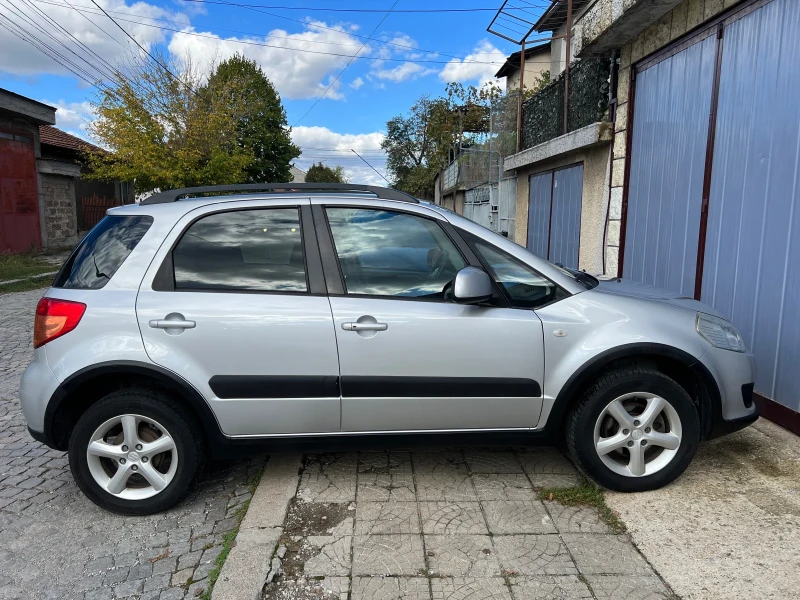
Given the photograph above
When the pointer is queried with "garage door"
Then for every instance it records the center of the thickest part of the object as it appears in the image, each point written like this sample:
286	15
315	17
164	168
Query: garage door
19	203
752	250
672	104
554	215
740	249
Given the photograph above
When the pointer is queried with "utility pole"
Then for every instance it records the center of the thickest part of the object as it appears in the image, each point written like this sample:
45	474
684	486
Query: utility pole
567	53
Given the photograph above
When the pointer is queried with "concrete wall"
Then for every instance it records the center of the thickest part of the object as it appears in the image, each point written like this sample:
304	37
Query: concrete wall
677	22
57	193
594	202
535	65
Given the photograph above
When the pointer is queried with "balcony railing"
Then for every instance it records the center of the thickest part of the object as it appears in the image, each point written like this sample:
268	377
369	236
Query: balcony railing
543	114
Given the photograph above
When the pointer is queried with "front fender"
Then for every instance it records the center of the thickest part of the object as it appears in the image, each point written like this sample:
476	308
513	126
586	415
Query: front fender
585	332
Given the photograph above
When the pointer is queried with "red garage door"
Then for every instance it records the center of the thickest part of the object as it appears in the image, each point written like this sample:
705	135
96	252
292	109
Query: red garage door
19	205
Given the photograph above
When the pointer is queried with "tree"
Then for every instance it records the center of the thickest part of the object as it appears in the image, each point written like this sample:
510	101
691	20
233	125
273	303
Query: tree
319	173
419	144
262	127
164	127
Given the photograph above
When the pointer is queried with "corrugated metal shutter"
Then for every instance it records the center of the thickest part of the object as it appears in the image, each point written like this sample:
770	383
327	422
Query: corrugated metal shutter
19	200
565	220
753	237
507	206
670	134
541	187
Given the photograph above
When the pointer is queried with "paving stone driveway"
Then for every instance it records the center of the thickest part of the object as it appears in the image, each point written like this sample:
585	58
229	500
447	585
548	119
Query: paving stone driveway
54	543
449	524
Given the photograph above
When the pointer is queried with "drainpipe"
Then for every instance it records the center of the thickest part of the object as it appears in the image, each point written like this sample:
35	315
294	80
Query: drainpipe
567	53
612	116
521	94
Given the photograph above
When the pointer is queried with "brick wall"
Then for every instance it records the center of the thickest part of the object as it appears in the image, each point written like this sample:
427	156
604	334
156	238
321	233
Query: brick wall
57	195
679	21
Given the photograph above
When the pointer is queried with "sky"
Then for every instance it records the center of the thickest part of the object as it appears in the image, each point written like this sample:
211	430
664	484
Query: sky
342	69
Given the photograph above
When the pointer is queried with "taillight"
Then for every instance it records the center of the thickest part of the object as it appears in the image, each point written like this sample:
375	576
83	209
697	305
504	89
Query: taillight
54	318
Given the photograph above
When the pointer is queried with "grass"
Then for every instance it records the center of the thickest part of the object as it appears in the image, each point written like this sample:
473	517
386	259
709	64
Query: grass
586	494
27	284
228	541
17	266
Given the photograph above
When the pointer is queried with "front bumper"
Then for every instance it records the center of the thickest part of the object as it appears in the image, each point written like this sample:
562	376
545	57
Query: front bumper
734	373
722	427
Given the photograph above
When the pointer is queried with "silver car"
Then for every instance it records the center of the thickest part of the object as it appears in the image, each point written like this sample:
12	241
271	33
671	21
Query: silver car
207	320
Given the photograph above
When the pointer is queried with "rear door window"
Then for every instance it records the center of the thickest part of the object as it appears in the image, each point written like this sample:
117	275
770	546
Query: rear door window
256	250
102	252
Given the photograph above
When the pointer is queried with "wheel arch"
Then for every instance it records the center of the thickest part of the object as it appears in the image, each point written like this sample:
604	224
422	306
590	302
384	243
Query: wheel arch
691	374
89	385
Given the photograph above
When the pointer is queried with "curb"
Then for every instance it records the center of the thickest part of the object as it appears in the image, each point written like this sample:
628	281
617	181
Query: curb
245	571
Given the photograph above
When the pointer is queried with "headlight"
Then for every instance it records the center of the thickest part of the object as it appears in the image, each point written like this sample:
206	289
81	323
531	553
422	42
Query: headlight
719	332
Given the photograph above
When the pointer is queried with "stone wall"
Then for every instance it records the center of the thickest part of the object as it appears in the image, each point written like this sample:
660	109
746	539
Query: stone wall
57	195
679	21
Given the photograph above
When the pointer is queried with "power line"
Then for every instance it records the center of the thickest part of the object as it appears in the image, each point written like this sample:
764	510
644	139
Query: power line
347	65
49	50
464	60
371	167
163	66
81	8
361	10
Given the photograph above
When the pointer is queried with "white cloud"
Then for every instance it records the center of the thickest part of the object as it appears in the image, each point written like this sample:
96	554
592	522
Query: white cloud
356	83
403	72
72	117
476	66
26	60
320	144
295	74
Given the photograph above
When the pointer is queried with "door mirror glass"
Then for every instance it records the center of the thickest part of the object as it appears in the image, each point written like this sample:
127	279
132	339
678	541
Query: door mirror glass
472	286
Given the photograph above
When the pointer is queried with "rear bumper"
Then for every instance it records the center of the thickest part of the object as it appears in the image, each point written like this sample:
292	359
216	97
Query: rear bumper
40	437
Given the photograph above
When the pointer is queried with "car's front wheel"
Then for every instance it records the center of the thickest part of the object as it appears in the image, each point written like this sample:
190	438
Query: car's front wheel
134	452
635	429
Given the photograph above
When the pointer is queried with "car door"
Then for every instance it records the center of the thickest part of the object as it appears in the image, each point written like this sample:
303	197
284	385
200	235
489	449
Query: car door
235	303
410	358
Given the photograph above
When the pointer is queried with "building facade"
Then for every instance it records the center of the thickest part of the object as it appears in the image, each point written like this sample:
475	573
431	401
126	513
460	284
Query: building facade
46	202
691	180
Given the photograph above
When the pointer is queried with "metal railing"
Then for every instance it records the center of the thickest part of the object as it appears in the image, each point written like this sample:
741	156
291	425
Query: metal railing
543	114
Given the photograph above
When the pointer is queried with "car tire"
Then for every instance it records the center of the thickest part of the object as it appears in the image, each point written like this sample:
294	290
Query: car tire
158	468
635	450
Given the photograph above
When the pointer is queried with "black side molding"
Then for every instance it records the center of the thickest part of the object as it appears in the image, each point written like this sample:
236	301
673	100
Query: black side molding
439	387
274	386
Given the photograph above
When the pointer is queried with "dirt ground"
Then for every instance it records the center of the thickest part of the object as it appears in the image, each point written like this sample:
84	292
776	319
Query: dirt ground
730	526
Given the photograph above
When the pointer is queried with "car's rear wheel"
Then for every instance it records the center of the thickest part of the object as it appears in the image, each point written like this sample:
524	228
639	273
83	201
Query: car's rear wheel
634	429
135	452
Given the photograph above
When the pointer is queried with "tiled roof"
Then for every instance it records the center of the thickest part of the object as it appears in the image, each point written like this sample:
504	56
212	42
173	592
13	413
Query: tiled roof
53	136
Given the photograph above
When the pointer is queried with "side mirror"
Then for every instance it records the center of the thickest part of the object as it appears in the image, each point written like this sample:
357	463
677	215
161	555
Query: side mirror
472	286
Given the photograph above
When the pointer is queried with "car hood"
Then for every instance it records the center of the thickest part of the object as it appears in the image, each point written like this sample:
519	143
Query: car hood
634	289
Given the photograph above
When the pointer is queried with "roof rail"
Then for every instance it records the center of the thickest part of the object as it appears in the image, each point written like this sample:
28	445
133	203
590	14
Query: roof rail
381	192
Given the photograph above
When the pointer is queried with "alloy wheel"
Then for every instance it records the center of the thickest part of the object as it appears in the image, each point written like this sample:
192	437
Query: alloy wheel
637	434
132	457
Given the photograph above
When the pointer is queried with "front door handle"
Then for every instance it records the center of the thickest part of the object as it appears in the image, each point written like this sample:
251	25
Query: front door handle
365	326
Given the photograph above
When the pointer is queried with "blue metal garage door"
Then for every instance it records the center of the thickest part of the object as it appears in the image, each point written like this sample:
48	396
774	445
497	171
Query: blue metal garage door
540	190
752	251
554	215
671	108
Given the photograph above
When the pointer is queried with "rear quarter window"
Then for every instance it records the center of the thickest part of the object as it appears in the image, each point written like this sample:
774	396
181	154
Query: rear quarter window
102	252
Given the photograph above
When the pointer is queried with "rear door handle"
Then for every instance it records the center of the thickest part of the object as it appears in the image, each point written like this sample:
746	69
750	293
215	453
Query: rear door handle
170	324
365	326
